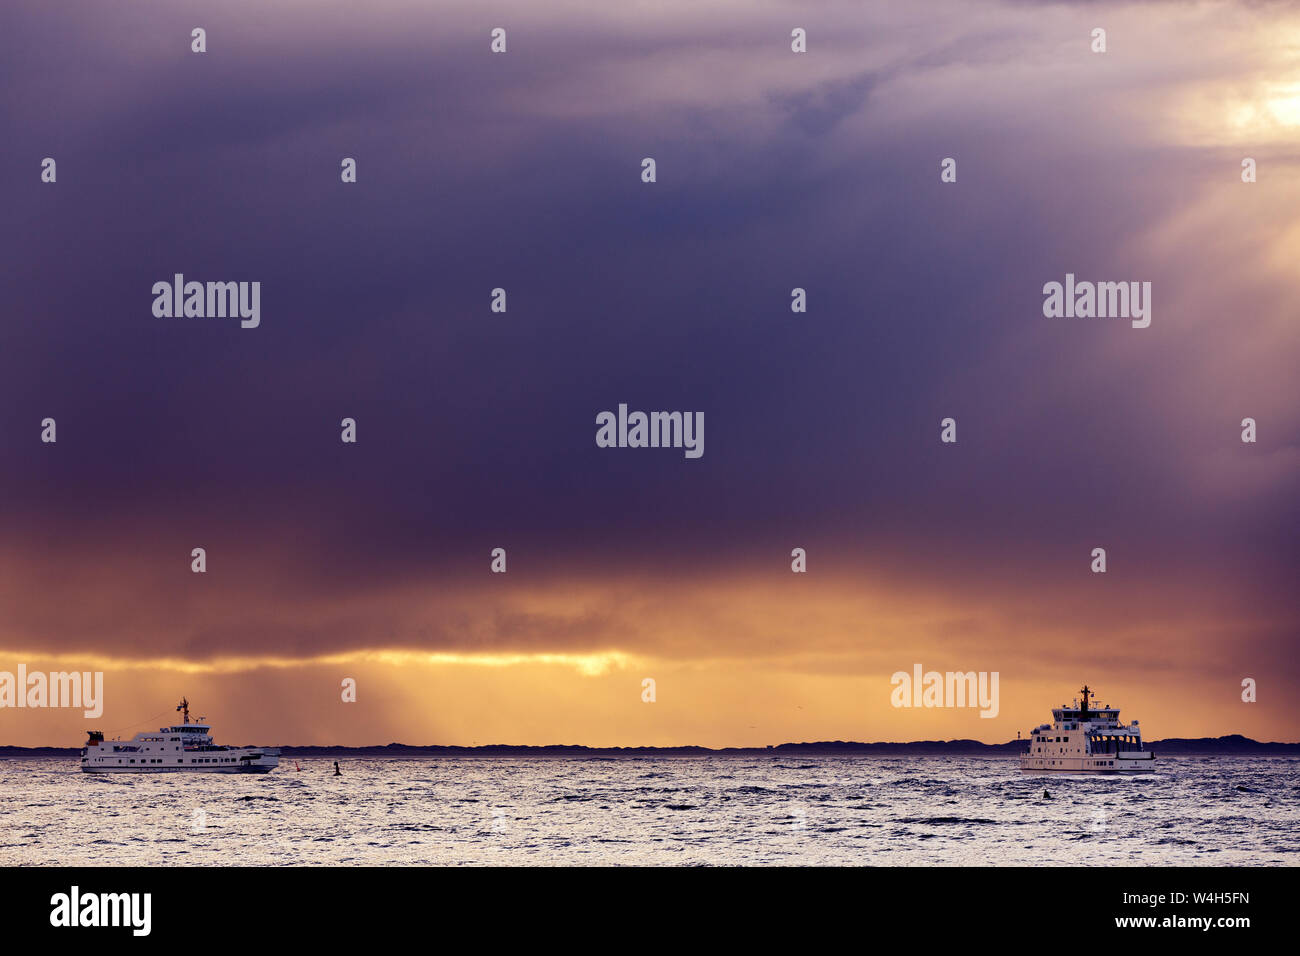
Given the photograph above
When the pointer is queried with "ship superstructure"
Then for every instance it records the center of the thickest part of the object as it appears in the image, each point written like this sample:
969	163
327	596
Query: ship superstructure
1084	739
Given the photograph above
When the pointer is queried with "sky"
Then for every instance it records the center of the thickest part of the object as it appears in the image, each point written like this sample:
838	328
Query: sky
476	430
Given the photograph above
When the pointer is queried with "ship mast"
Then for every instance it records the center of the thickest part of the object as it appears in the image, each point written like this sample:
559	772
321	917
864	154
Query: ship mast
184	707
1083	714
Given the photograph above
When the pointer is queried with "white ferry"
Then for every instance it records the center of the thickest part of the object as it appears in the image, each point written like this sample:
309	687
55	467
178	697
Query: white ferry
1084	740
186	747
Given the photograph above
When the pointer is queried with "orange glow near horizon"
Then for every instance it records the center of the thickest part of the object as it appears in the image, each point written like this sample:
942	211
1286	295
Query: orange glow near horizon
735	664
535	703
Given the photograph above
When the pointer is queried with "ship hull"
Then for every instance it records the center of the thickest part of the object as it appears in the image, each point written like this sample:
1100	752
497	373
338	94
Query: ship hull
1142	761
260	761
266	769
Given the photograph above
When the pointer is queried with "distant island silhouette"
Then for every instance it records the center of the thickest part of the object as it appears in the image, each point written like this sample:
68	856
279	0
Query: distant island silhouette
1230	744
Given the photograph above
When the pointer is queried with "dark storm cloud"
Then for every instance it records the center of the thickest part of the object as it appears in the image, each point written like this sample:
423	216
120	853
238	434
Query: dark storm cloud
477	430
820	110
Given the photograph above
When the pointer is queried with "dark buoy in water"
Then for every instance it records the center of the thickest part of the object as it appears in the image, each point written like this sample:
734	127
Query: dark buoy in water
337	772
1046	795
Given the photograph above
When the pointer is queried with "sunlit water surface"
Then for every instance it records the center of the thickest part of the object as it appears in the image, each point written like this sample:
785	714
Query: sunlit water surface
913	811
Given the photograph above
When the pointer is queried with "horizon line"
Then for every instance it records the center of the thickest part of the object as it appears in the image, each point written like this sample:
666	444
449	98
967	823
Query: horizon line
761	748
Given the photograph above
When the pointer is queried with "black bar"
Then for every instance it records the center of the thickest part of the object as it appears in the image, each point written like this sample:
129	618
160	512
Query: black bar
387	905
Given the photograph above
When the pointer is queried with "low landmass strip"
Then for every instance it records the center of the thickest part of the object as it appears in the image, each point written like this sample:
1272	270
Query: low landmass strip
1231	744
